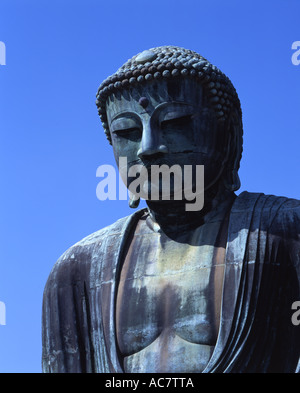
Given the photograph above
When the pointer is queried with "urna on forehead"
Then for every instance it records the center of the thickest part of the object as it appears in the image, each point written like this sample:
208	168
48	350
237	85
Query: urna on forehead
167	63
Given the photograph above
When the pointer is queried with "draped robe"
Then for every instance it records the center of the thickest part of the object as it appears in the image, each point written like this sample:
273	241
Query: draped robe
261	282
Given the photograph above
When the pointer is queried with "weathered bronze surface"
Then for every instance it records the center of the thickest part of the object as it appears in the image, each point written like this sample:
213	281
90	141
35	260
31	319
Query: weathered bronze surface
170	290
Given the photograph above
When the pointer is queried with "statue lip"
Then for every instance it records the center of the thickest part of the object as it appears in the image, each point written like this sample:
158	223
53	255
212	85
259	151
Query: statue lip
157	161
166	159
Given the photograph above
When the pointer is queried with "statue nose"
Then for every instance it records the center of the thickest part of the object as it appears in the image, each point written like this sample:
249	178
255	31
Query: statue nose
150	144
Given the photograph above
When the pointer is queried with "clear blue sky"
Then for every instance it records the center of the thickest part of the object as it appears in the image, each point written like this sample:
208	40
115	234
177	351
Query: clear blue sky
51	140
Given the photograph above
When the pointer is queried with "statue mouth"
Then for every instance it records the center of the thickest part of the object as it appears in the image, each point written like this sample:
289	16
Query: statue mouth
158	161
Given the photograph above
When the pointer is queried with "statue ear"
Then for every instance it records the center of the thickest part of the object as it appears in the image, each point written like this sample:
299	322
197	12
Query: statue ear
231	180
235	130
134	201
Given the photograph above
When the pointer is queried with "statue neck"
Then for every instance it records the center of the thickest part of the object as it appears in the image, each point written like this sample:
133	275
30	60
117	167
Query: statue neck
171	216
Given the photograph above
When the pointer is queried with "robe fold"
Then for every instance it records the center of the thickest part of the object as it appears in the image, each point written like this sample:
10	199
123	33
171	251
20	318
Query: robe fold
261	282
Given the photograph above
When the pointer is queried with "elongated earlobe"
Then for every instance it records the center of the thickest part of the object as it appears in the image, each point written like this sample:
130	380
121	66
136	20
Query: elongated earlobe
134	201
231	180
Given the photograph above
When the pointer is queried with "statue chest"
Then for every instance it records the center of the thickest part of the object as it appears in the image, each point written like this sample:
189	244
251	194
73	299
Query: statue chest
168	302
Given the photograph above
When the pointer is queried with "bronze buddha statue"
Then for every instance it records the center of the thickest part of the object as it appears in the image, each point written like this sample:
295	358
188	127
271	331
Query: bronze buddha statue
167	289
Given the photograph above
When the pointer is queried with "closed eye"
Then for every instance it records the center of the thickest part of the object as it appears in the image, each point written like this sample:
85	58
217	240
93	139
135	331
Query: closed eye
125	125
120	131
127	132
177	122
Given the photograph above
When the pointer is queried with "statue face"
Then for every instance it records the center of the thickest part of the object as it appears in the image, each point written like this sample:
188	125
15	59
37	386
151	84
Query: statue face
167	122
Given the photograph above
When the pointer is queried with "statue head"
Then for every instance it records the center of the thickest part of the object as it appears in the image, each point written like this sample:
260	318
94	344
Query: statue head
170	105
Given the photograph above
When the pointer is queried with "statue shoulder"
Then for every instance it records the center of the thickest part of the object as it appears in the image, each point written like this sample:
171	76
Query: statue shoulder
290	206
277	207
277	215
287	218
75	263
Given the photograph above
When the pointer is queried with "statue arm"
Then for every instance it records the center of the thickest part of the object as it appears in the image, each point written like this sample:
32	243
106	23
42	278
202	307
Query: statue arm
292	238
65	325
72	323
288	224
289	217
